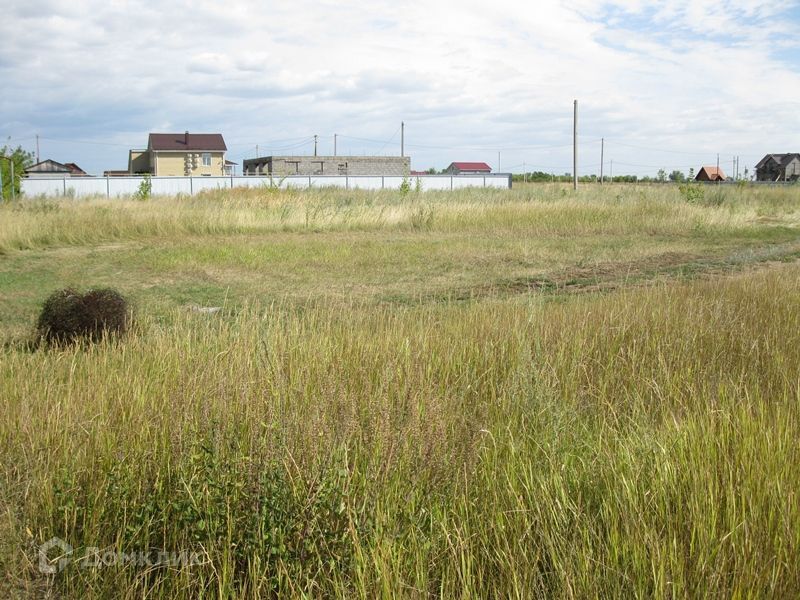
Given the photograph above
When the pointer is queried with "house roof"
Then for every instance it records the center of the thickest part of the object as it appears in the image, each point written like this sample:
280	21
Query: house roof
75	169
195	142
781	159
713	172
48	166
471	166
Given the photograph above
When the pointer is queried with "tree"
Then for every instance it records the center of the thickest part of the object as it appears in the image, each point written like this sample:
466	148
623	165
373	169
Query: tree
677	176
662	175
22	159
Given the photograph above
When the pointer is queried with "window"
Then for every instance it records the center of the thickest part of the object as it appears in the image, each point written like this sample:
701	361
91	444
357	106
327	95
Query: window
206	159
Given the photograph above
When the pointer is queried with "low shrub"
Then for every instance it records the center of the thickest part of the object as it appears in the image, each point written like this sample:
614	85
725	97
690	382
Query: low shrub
692	193
69	316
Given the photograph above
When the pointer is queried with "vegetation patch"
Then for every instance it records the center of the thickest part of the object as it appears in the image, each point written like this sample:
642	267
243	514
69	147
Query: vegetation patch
70	316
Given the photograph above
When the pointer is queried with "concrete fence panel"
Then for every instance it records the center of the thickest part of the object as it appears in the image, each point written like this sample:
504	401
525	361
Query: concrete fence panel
365	183
332	181
115	187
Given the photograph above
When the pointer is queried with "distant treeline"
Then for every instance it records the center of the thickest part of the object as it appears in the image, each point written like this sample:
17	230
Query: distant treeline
541	177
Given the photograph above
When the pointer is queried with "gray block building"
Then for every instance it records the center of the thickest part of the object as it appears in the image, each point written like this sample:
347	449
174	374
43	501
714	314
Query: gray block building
282	166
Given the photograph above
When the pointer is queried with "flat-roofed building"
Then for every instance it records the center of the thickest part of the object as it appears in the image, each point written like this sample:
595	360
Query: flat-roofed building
283	166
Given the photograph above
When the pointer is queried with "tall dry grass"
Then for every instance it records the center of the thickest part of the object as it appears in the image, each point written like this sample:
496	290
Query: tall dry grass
637	444
530	210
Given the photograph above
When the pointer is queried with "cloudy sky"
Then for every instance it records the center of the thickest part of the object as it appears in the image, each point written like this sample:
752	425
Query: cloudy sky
667	84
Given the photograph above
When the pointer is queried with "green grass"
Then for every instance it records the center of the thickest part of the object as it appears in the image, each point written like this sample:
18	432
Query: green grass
532	394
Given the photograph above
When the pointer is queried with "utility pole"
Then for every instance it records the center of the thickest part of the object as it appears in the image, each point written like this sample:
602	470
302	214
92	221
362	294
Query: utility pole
575	147
334	144
256	150
524	173
717	168
498	161
402	138
612	171
37	148
602	153
315	144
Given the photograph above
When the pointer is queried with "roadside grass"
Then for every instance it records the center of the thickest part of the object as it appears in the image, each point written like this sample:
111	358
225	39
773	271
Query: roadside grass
398	405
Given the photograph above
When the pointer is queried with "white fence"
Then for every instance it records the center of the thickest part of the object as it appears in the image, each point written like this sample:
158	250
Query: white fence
113	187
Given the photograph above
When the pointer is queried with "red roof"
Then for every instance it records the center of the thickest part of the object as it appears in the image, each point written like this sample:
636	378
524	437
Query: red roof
471	166
713	173
75	169
194	142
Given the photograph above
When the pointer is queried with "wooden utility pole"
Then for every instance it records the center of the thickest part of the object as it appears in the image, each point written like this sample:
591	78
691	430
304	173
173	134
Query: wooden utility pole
37	148
334	143
315	144
612	171
575	147
402	138
498	161
602	159
718	168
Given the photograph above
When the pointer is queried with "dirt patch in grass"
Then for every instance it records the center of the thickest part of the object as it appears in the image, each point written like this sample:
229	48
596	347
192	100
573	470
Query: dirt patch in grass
607	276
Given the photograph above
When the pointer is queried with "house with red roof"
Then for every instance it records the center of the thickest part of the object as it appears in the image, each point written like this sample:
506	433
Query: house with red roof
180	154
468	168
710	174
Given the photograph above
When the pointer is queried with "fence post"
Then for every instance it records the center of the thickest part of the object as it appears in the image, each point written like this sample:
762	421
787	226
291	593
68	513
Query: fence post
108	188
383	182
191	186
64	181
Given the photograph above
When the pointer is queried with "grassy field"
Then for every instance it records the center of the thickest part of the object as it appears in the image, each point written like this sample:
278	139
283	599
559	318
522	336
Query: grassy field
526	393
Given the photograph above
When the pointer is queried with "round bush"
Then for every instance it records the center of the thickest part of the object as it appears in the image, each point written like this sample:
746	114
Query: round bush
69	316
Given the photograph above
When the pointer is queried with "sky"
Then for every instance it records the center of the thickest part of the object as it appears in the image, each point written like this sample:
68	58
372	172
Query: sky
666	84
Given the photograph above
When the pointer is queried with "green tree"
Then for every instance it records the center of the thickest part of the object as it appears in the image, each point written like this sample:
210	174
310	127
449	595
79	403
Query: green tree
677	176
662	175
22	159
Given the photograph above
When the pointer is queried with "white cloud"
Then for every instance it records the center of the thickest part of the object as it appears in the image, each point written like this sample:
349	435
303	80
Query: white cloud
692	76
